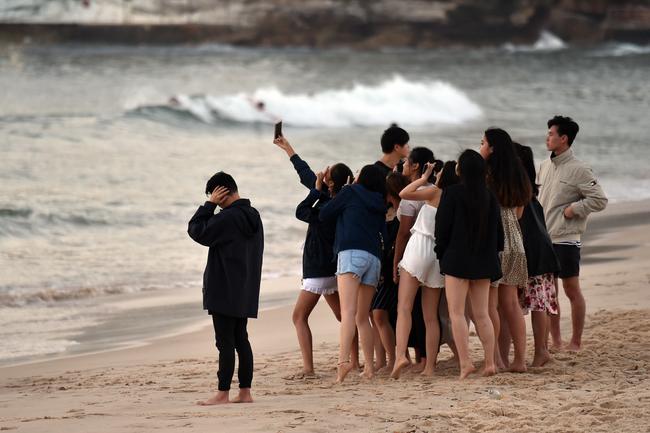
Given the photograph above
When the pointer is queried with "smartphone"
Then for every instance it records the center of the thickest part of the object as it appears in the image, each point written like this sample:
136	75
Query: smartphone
278	130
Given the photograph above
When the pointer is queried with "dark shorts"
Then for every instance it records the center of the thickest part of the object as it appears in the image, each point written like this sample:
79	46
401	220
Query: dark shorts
569	257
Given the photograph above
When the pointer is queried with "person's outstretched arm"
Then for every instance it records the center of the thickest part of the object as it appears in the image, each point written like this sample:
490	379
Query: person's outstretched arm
305	173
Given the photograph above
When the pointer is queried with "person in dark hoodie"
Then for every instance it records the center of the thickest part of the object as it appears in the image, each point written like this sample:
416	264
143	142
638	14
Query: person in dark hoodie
360	214
231	281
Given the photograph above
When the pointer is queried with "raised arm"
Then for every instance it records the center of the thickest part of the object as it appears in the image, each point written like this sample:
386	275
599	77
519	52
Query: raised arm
305	211
305	173
209	229
410	192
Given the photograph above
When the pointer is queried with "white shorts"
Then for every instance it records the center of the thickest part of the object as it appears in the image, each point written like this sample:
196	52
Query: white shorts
421	262
320	286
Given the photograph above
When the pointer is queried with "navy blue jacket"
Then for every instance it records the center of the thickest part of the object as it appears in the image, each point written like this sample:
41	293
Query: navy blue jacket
231	281
360	217
318	253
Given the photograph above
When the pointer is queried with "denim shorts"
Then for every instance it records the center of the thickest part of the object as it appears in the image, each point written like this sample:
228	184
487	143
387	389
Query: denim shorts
365	266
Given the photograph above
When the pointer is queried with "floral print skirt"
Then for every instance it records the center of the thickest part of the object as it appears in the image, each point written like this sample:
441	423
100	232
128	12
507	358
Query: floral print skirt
539	294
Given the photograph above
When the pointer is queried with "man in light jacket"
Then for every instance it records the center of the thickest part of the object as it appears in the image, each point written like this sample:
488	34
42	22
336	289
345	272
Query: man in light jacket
569	192
231	281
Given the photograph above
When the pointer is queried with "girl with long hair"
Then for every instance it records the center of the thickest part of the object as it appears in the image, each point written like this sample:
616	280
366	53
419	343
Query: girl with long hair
509	182
468	237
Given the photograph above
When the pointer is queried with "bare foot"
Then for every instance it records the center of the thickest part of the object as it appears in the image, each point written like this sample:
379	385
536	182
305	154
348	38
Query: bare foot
356	366
489	371
400	364
466	371
572	347
419	367
557	346
380	365
541	359
221	397
244	396
367	374
300	375
519	367
428	372
342	370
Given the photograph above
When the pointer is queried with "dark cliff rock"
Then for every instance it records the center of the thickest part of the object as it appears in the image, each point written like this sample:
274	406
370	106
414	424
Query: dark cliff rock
367	24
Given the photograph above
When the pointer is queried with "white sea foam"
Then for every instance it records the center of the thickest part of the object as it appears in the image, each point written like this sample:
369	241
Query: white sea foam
621	50
395	100
547	42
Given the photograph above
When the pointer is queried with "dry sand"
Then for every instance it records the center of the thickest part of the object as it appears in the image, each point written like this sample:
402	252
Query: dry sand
603	388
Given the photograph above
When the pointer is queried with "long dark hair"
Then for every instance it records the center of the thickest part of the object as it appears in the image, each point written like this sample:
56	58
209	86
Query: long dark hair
448	175
505	174
340	174
528	161
422	155
472	169
373	179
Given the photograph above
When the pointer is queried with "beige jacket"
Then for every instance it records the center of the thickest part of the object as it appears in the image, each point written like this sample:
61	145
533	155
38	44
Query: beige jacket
566	181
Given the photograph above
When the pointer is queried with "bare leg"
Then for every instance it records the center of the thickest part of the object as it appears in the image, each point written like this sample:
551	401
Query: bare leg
479	293
304	306
509	302
408	288
335	304
456	293
380	352
578	308
430	299
554	322
539	320
496	323
244	396
387	335
364	301
348	290
504	339
221	397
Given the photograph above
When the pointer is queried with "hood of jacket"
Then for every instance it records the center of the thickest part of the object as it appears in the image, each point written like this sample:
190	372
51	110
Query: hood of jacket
373	200
248	220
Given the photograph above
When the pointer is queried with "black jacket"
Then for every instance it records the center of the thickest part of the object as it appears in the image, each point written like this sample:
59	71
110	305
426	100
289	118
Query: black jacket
453	240
540	254
318	253
231	281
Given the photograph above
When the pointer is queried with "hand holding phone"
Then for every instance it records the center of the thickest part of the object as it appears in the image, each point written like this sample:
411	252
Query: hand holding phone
278	130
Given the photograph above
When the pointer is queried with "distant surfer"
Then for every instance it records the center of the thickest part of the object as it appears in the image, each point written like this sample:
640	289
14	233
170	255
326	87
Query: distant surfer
260	106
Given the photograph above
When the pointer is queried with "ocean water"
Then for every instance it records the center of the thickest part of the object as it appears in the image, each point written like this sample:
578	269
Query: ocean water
105	150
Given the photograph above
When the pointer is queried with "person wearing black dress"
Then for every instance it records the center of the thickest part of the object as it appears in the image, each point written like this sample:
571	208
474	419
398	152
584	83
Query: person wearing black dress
469	236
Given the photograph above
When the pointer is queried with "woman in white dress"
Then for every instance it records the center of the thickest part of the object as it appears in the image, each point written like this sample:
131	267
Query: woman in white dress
419	267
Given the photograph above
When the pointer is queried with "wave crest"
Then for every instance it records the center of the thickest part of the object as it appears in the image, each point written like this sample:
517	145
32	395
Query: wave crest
396	100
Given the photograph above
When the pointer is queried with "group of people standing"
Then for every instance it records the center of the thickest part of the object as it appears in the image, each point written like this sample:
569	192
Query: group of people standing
411	249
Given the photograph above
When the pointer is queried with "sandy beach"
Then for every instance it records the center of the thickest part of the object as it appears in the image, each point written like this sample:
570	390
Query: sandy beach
155	385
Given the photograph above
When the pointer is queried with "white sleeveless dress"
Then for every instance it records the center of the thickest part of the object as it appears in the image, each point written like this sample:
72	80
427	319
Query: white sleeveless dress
419	259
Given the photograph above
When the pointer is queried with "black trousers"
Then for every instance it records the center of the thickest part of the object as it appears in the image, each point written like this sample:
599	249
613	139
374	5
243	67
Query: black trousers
231	335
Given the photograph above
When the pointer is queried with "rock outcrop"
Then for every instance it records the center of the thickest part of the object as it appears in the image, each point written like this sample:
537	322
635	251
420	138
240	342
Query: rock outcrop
367	24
